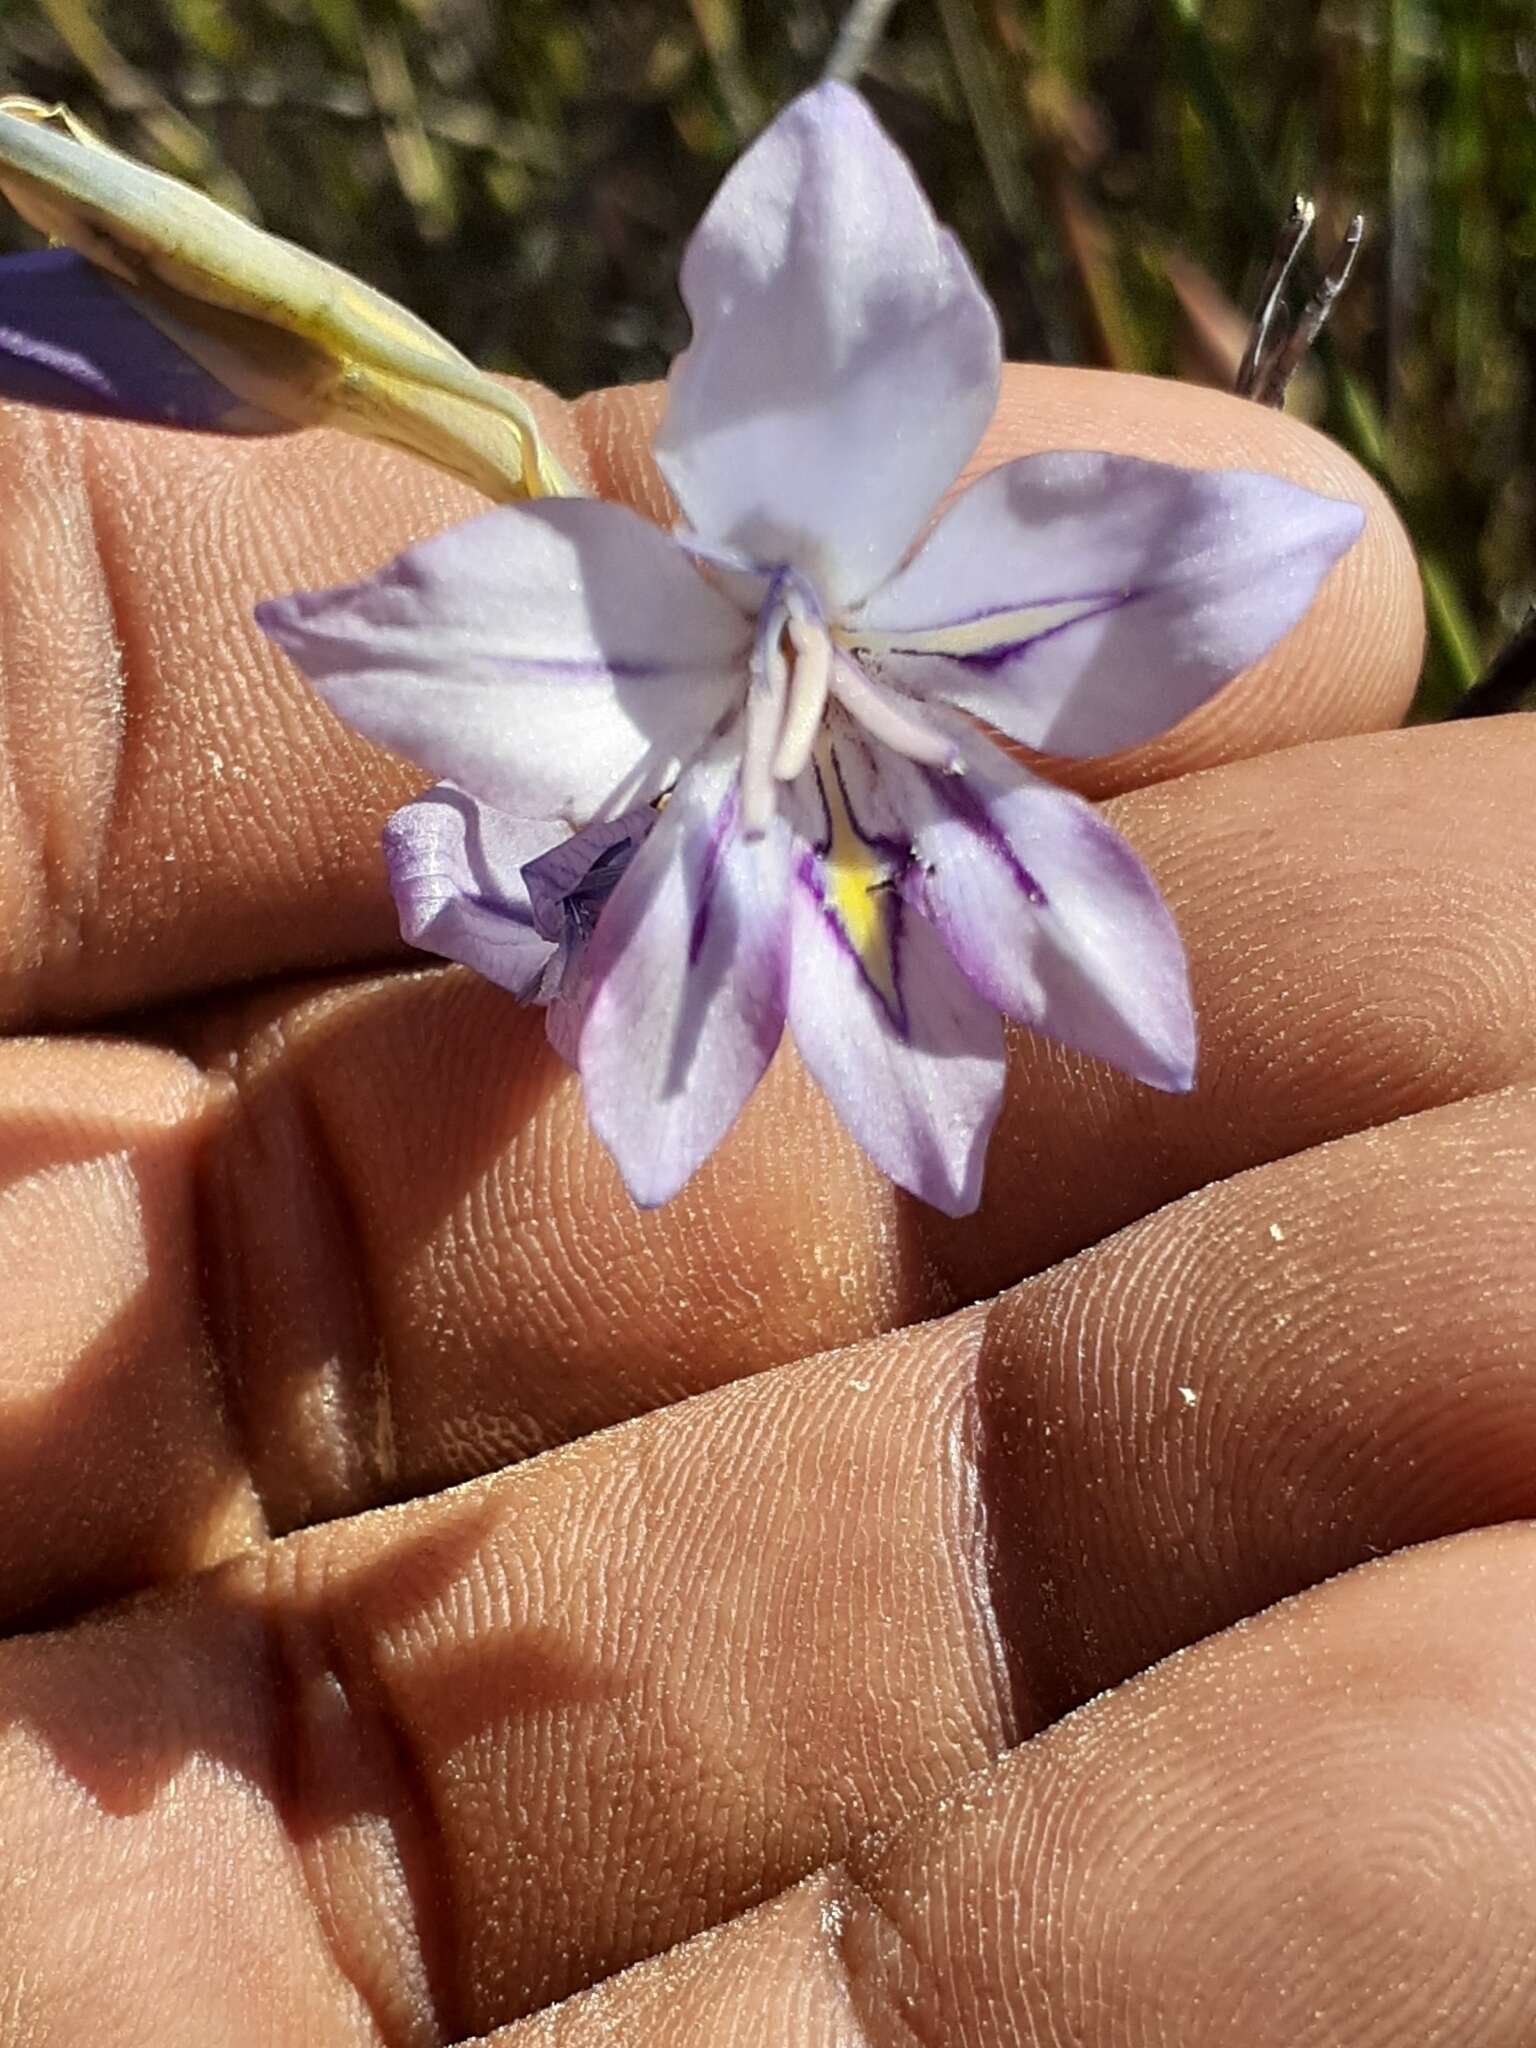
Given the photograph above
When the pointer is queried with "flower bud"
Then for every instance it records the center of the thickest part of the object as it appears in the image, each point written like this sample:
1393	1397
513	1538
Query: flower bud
292	340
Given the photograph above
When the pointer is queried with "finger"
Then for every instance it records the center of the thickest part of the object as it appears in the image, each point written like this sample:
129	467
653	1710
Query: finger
1273	1380
182	812
461	1231
445	1764
412	1262
509	1740
176	809
117	1462
1319	1829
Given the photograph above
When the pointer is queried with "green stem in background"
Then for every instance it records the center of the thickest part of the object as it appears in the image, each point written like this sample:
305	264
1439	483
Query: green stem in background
417	170
1401	155
1455	659
994	127
1251	187
1064	39
990	121
167	136
1452	635
858	39
719	28
1461	184
1022	88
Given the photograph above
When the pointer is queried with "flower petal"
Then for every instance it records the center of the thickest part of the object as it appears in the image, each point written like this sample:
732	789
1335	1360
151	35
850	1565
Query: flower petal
844	359
910	1057
557	659
685	982
70	340
569	884
455	872
1046	910
1082	603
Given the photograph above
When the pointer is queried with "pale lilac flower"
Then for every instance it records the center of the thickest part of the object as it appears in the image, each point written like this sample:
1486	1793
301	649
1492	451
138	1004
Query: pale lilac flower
837	845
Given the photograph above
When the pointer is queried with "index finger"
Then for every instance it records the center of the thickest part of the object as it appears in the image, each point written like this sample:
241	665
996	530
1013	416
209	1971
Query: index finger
179	812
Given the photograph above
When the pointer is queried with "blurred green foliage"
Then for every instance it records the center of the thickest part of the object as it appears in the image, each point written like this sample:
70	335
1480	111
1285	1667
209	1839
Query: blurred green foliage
524	172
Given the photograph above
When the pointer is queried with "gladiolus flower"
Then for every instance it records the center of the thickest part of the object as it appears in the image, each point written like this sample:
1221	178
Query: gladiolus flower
798	689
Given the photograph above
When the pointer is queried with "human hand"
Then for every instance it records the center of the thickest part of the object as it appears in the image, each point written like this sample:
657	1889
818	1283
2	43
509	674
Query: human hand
281	1250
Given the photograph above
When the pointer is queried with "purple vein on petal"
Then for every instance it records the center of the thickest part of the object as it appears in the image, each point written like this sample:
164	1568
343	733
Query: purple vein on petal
998	653
1195	575
851	889
670	1048
720	833
967	804
1051	916
810	876
560	658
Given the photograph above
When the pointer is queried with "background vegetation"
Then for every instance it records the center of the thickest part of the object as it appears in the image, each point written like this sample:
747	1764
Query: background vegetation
523	172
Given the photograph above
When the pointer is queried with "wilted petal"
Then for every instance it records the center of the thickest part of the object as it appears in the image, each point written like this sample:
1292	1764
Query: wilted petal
685	983
557	659
71	340
909	1055
568	890
455	872
1046	911
293	335
1082	603
844	359
569	884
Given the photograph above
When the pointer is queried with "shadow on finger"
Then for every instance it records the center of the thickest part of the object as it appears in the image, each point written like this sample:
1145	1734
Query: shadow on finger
380	1252
719	1646
1314	1830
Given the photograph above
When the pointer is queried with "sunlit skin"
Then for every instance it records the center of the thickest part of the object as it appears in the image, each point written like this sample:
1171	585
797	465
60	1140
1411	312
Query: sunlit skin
292	1225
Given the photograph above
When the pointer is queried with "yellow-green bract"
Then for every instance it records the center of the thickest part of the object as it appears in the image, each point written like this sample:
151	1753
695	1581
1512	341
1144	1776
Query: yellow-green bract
294	336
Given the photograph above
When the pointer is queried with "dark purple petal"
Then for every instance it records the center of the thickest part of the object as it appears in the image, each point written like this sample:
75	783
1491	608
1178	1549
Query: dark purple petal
844	359
559	659
568	886
1046	911
1082	603
71	340
456	874
909	1056
685	983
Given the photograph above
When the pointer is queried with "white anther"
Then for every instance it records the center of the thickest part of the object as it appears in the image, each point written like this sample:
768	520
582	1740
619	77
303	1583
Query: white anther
807	698
897	722
764	723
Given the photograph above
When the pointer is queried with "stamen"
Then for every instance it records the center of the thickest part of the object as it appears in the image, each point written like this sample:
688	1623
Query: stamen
807	697
896	722
764	723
